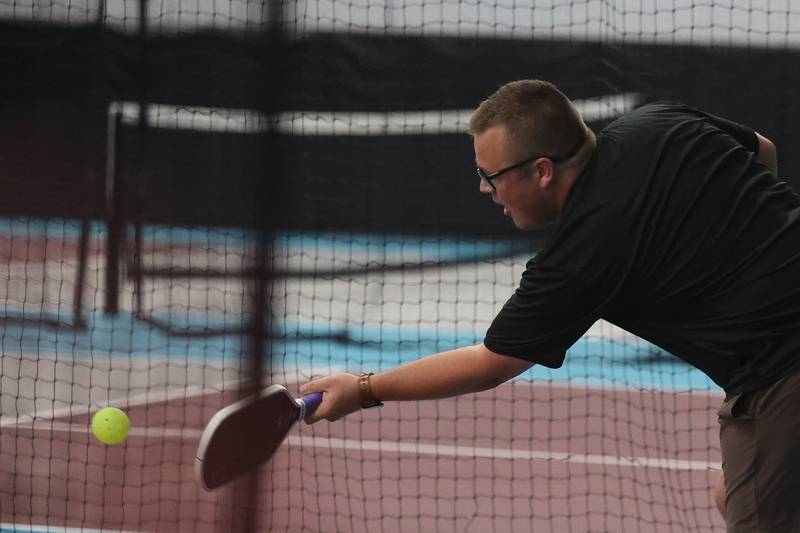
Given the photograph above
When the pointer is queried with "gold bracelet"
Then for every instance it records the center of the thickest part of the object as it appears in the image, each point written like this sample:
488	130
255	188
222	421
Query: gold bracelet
367	398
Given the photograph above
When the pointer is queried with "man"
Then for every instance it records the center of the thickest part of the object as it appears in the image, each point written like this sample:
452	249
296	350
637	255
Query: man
672	224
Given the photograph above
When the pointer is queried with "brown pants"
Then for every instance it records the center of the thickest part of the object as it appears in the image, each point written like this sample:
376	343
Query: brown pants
760	440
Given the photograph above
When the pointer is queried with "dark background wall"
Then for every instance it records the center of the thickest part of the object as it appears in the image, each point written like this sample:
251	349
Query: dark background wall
58	82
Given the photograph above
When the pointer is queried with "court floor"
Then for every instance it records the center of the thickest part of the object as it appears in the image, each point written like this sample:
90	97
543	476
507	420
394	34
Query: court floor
621	438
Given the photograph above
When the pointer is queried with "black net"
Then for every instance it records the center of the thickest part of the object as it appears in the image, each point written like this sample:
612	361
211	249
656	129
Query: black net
201	197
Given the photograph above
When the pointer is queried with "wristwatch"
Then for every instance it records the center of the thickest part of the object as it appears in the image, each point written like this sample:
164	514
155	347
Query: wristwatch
368	399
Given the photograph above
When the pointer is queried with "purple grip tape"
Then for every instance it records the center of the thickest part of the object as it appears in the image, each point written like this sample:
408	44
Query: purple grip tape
311	402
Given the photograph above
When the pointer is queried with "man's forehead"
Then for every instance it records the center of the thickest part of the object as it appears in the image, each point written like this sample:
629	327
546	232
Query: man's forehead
496	133
491	144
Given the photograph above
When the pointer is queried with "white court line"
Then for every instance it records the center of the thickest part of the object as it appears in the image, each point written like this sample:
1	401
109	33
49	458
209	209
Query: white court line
129	401
155	432
436	450
500	453
145	398
343	123
28	528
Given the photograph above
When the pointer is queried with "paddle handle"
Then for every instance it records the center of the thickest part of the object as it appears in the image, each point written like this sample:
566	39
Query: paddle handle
309	403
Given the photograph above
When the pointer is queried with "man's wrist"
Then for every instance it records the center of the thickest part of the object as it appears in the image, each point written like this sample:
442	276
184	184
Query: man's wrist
368	398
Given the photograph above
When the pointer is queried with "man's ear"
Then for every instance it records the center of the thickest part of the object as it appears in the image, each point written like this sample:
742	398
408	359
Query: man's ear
544	167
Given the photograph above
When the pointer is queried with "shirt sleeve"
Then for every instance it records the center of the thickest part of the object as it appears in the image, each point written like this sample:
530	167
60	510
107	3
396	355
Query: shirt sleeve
746	136
547	314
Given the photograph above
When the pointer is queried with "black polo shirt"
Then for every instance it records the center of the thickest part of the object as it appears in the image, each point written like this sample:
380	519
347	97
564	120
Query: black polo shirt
676	233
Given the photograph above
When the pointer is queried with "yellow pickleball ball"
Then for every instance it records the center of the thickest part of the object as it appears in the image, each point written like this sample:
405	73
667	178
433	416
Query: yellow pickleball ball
110	425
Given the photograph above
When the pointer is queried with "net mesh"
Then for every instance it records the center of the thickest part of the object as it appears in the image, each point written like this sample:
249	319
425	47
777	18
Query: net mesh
197	189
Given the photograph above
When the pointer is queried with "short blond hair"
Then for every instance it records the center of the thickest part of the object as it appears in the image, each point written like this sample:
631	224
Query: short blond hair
539	119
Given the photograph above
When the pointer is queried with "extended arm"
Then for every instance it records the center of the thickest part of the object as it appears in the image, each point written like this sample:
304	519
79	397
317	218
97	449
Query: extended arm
452	373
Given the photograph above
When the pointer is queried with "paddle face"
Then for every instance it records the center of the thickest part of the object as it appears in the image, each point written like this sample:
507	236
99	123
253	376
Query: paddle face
243	435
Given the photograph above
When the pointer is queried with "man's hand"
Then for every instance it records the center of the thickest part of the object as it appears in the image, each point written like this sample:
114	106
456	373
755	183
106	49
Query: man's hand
340	396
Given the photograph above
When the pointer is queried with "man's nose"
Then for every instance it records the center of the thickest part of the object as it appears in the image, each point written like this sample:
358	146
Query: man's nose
484	186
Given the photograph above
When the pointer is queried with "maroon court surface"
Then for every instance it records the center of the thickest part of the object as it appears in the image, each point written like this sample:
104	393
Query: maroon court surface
520	458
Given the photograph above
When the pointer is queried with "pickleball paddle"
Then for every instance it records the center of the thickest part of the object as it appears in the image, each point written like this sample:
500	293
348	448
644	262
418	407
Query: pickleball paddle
245	434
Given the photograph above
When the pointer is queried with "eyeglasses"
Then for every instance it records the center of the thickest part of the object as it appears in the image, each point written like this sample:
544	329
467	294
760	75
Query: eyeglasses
489	177
555	159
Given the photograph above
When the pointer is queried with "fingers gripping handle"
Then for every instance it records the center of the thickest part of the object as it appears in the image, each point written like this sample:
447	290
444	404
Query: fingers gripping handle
308	404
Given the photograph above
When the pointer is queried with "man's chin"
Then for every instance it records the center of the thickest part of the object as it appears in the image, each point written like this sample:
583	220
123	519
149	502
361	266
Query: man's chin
526	225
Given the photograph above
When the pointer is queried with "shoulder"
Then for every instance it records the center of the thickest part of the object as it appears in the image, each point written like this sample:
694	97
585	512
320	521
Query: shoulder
659	110
636	135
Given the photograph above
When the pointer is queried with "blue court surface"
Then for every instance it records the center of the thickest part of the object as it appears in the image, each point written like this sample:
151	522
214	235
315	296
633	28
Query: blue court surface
318	338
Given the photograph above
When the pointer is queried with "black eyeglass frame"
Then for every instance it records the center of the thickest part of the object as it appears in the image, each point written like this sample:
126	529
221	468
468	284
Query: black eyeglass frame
554	158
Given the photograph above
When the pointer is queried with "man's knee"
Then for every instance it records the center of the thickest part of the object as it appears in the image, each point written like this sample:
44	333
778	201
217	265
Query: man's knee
719	494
